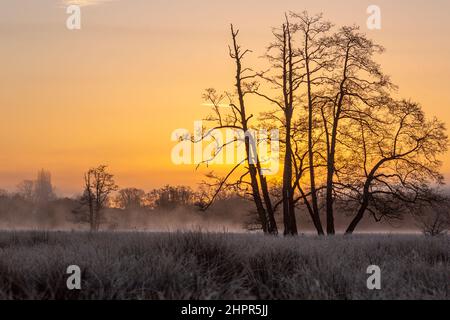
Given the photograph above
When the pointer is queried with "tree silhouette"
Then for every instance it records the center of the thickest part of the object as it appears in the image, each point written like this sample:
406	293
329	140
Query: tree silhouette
344	137
283	75
399	161
235	117
171	197
315	58
98	186
26	190
130	198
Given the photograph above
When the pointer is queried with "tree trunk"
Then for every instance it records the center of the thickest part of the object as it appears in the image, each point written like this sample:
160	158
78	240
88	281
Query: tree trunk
366	197
272	227
329	200
265	215
288	91
315	207
357	219
290	223
331	166
91	217
257	199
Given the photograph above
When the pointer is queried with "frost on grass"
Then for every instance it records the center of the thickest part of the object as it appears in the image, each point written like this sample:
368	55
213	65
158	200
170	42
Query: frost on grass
221	266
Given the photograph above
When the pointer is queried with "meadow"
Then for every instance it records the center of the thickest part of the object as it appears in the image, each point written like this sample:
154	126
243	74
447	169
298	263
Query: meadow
196	265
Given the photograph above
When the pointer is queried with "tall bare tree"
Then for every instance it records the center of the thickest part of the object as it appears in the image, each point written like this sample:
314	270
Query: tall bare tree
356	83
238	119
255	169
316	59
284	76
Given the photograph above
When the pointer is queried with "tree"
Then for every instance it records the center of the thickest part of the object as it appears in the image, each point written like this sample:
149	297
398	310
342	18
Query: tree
43	188
399	160
130	198
98	186
169	197
338	75
314	52
4	204
25	189
239	120
435	221
344	137
356	84
284	77
265	211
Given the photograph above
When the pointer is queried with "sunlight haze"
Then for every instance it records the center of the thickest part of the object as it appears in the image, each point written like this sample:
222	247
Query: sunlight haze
114	91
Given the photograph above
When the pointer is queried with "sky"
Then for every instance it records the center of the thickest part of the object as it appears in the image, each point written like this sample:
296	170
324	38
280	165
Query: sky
114	91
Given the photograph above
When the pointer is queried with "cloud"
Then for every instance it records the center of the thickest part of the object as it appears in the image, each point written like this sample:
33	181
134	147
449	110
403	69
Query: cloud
84	3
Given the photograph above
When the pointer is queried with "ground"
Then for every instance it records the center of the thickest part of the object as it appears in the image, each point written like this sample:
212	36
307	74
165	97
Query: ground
221	266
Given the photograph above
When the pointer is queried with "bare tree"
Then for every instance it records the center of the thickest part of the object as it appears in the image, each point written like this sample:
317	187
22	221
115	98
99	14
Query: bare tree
171	197
435	221
99	184
130	198
236	118
315	59
356	83
266	214
399	160
25	189
285	78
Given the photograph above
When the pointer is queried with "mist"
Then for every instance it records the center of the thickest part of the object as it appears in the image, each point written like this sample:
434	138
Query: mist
232	215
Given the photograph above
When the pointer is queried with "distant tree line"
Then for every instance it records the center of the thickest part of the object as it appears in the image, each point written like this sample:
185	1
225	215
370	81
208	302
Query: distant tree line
36	199
36	205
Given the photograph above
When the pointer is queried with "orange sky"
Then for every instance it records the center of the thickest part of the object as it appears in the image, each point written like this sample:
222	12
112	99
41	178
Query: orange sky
115	90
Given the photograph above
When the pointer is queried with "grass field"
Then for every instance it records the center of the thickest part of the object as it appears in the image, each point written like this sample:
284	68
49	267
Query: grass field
221	266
